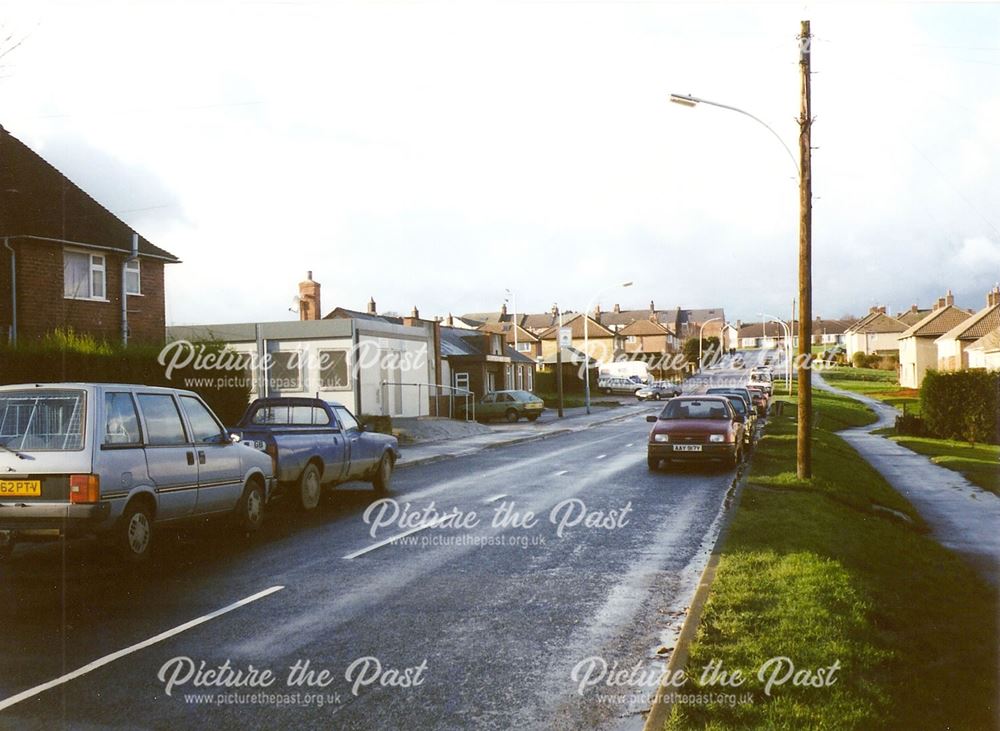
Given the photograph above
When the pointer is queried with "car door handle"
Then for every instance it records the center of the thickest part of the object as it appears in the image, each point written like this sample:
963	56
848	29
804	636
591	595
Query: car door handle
190	456
201	456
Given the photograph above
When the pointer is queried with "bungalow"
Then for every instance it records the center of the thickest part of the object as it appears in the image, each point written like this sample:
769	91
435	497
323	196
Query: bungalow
768	334
951	346
917	349
481	362
66	262
876	332
985	352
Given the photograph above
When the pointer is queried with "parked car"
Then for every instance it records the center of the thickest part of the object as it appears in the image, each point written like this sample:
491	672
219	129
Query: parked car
509	405
760	399
316	445
120	460
744	395
696	428
761	379
620	385
658	391
748	417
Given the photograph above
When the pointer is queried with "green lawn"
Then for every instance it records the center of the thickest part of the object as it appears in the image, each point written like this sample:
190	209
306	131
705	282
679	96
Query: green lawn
980	463
815	572
883	385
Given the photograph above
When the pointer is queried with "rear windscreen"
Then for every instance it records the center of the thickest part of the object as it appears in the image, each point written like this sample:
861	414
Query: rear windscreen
42	420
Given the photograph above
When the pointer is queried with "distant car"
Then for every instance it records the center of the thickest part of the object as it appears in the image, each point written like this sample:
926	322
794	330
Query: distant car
738	362
750	413
316	445
509	405
120	460
760	399
620	385
658	391
761	379
696	428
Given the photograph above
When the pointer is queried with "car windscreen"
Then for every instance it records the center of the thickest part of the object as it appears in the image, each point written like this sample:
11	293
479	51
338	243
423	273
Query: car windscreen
42	420
522	396
739	404
694	409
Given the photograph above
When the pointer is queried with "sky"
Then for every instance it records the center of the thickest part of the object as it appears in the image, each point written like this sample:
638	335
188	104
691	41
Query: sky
437	154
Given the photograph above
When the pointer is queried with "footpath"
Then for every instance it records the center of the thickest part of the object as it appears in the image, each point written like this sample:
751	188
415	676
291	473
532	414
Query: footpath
963	517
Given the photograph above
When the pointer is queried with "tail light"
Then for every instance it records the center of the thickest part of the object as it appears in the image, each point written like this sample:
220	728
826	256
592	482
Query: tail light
84	488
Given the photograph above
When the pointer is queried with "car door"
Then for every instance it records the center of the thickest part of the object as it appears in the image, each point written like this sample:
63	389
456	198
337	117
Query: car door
120	459
220	482
170	456
487	408
358	457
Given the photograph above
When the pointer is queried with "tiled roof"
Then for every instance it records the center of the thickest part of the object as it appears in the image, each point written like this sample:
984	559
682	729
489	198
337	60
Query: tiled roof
644	327
936	323
757	329
49	205
990	342
878	322
594	329
980	324
912	316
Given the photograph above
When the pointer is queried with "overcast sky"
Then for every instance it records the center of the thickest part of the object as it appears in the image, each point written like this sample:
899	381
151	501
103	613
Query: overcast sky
434	154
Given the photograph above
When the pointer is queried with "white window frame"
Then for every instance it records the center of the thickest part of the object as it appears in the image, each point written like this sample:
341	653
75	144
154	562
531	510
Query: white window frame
96	263
462	380
137	270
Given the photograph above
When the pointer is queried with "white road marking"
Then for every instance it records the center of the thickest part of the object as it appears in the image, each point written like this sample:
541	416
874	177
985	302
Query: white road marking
108	659
392	539
495	498
601	456
630	444
561	472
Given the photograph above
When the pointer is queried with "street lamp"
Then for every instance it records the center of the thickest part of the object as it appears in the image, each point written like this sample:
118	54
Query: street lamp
513	302
803	171
788	347
700	331
586	341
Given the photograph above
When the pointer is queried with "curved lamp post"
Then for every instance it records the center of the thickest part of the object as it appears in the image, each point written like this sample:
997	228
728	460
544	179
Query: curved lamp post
700	331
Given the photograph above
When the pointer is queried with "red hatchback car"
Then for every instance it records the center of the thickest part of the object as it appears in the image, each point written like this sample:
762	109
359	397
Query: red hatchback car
696	428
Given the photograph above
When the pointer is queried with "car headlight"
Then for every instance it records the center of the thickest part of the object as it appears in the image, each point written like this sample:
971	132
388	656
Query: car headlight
661	437
717	438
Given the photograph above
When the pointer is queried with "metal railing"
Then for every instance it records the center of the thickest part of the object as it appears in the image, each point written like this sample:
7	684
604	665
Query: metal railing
437	394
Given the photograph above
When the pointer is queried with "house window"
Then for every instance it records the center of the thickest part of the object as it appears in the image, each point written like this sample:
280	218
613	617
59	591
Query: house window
523	347
528	385
462	381
630	339
132	283
333	372
84	276
285	373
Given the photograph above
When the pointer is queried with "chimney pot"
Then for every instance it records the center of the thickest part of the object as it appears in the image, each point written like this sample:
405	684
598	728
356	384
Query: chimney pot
309	301
652	307
371	307
618	308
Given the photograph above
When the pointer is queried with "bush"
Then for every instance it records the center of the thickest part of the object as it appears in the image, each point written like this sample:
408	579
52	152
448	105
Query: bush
65	356
910	425
377	423
961	405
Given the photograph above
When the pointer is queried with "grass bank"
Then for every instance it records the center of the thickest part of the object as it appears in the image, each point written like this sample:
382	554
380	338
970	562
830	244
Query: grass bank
828	571
883	385
980	463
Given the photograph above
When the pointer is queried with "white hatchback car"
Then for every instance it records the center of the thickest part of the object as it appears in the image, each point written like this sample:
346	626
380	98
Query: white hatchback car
79	458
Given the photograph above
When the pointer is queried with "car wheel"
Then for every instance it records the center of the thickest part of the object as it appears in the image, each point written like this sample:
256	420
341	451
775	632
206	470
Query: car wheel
383	475
652	462
135	536
7	541
250	509
511	416
310	488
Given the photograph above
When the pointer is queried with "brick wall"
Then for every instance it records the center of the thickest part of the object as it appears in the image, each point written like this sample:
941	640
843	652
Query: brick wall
41	306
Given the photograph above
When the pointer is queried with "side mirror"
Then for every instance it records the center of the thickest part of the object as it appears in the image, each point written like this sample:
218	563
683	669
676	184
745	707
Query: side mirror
362	427
235	438
739	418
651	419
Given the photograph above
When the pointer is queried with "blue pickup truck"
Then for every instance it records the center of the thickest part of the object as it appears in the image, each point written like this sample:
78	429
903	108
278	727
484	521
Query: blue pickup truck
315	445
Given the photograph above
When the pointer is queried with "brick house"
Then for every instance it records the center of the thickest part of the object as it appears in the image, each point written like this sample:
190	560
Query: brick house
67	262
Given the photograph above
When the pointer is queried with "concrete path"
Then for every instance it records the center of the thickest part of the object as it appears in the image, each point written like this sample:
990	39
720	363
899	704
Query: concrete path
962	516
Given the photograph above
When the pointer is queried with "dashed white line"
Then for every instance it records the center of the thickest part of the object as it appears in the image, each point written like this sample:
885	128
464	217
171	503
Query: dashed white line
495	498
601	456
108	659
393	539
630	444
561	472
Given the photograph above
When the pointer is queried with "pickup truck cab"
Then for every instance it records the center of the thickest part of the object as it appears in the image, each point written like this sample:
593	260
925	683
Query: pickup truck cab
315	445
119	460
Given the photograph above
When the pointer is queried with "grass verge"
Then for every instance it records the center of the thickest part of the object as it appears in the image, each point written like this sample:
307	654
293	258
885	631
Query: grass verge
813	571
980	464
883	385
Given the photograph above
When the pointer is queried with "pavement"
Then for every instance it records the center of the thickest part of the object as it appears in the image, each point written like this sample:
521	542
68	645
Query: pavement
498	612
962	516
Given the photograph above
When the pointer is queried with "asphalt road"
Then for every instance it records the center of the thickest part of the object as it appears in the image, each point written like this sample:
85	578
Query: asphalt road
486	621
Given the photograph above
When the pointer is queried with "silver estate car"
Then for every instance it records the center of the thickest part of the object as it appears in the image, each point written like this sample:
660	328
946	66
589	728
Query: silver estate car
117	460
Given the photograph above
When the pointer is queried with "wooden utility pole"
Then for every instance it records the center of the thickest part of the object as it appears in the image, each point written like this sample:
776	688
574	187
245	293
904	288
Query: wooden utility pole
804	433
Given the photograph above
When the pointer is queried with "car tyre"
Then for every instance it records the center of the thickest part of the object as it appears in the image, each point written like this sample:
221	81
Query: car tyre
652	462
7	541
310	488
250	509
511	416
383	474
135	532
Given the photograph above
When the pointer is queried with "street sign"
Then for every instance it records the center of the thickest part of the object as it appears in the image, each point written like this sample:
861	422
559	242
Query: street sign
565	337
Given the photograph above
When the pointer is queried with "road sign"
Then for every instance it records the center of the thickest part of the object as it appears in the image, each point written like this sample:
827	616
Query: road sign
565	337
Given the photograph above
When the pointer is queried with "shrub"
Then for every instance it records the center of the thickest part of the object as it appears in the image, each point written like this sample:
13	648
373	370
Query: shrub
961	405
910	425
377	423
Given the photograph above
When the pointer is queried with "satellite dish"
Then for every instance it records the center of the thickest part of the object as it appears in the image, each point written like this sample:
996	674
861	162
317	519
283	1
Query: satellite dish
296	305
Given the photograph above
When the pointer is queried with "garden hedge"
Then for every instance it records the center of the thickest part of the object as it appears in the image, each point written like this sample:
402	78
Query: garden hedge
961	405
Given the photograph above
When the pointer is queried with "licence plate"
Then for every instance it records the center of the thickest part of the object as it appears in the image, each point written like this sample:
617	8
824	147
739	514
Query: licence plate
687	447
20	488
533	406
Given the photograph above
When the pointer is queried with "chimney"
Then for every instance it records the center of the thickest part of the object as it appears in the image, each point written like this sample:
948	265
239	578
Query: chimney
872	310
309	305
503	310
652	307
993	296
949	299
881	310
914	309
618	308
450	322
597	312
371	307
416	313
